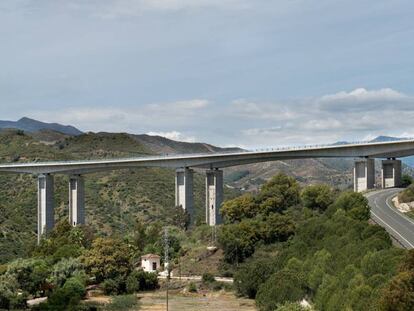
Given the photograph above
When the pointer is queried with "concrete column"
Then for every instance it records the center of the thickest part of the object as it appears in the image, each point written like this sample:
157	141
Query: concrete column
214	196
184	194
364	175
391	173
45	205
76	200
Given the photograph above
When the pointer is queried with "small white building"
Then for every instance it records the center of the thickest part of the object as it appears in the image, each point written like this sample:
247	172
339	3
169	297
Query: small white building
150	262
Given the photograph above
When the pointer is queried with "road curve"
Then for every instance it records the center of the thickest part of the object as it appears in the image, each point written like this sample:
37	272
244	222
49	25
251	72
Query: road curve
398	225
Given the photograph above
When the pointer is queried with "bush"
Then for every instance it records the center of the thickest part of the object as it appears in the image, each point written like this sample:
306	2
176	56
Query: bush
252	274
66	297
192	287
31	274
140	281
208	278
283	286
9	296
65	269
111	287
406	180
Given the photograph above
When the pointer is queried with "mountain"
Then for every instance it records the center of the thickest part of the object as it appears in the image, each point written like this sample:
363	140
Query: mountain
162	145
31	125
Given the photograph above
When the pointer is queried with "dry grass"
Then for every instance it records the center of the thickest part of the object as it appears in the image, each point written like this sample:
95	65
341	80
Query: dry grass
178	301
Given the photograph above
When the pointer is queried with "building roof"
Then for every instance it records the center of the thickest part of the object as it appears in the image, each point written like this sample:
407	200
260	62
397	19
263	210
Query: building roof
150	256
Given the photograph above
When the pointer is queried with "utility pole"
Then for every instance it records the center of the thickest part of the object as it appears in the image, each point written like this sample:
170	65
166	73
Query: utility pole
166	260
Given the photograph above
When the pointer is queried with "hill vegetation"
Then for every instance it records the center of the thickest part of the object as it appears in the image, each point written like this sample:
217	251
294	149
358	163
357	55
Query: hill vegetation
286	244
114	200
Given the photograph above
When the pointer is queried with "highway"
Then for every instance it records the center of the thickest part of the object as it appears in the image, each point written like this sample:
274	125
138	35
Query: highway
398	225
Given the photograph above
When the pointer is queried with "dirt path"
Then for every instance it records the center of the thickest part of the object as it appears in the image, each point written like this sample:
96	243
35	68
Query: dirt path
218	301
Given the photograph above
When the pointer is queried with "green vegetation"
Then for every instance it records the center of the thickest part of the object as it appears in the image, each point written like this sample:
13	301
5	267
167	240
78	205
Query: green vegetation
406	180
282	244
115	201
407	195
123	303
329	254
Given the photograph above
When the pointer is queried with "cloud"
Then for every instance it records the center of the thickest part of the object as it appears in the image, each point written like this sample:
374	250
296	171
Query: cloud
358	114
174	135
122	8
151	116
181	106
352	115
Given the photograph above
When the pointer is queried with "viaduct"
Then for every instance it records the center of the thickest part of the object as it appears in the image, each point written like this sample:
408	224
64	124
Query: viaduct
364	173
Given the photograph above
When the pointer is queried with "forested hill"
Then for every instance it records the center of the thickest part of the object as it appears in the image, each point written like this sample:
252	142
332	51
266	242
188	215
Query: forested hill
114	200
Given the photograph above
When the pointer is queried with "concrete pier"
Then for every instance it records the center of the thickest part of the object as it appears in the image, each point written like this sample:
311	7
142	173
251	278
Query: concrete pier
76	200
45	205
364	175
214	196
391	173
184	193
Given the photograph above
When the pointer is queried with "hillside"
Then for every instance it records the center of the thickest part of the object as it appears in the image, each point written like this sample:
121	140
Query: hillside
114	200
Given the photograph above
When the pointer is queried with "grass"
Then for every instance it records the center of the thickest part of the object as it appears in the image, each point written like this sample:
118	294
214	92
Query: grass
123	303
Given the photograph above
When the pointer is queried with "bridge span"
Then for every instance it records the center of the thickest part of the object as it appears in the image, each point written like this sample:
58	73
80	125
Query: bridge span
213	163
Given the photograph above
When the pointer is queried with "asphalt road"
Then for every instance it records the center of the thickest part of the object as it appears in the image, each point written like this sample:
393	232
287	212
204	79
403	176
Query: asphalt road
398	225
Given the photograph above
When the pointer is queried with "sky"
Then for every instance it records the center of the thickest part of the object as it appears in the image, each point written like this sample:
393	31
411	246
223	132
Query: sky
257	73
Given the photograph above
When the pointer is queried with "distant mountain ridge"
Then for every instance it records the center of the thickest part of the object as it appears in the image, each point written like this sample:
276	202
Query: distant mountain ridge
31	126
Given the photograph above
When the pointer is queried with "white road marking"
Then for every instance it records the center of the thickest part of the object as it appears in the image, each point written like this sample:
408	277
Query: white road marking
412	246
386	224
396	211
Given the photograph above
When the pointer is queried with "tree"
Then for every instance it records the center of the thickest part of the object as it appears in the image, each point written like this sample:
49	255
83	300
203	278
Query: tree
277	228
283	286
31	274
238	240
9	293
317	197
252	274
65	269
278	194
107	259
239	208
399	294
354	203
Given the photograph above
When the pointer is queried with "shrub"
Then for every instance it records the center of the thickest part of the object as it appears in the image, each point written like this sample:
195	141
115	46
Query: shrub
252	274
111	287
9	296
208	278
65	269
140	281
283	286
406	180
31	274
66	297
192	287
